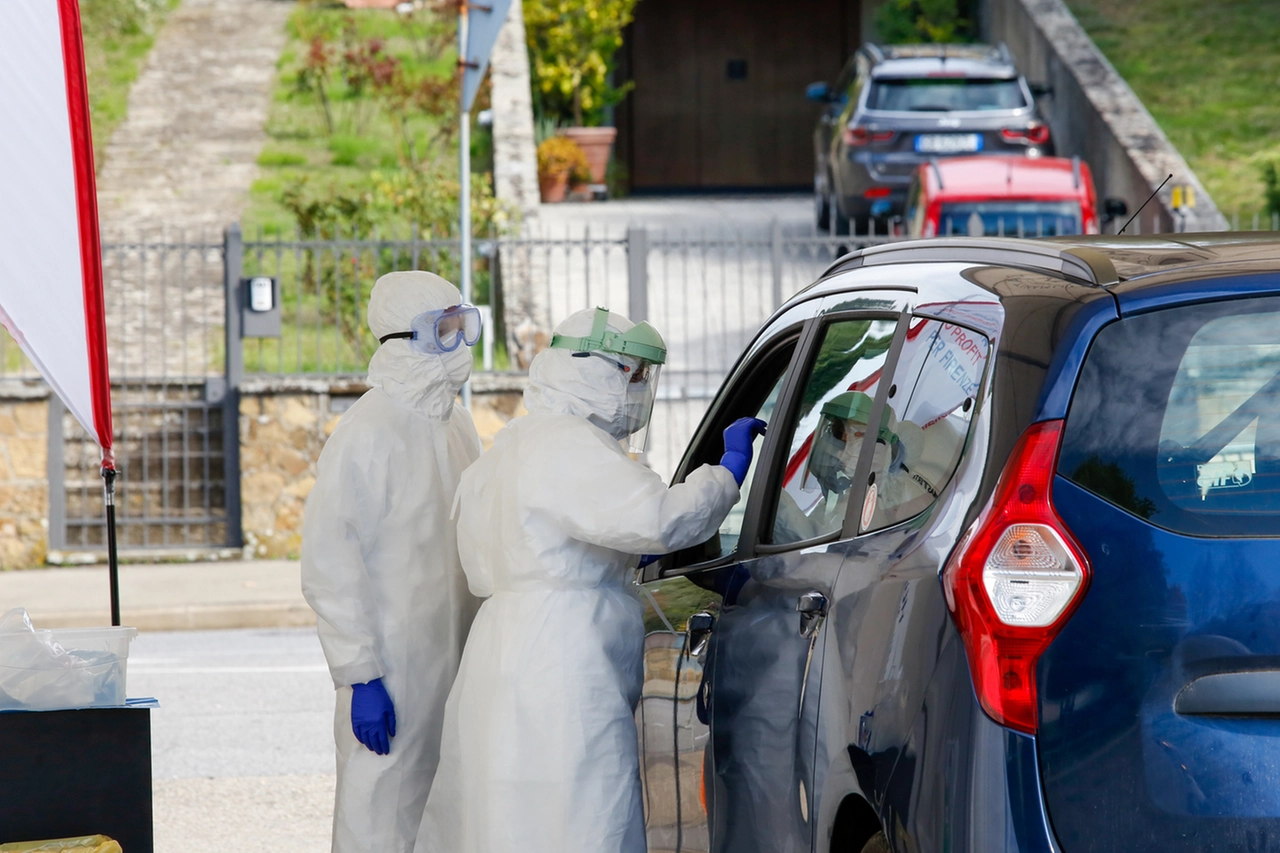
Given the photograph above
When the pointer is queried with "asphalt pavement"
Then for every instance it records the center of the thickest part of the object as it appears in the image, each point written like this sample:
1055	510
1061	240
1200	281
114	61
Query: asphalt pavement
242	743
163	597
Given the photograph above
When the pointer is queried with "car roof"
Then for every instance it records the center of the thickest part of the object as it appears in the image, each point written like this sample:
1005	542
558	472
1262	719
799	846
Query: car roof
910	61
1121	264
1005	176
913	69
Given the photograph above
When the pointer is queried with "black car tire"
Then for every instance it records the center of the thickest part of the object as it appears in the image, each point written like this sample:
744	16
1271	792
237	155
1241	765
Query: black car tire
839	222
877	843
822	210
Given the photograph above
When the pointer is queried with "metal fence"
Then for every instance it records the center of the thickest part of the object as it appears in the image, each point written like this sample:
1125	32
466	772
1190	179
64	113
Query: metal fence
165	313
706	292
175	390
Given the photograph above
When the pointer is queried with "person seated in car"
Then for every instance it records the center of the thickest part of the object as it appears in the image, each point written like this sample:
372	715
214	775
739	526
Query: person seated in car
833	460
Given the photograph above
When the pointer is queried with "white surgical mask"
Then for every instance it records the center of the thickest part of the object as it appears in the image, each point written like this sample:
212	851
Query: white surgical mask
457	365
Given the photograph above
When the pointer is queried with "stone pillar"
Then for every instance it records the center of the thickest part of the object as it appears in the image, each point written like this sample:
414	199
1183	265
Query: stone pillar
526	313
24	483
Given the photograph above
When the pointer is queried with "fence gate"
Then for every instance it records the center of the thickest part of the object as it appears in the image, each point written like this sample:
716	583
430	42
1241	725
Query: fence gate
175	416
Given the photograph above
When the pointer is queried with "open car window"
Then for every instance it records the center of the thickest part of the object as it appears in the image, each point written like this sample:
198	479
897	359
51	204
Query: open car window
754	393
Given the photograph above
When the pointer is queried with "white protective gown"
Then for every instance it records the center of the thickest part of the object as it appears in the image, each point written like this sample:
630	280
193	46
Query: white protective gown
380	566
540	747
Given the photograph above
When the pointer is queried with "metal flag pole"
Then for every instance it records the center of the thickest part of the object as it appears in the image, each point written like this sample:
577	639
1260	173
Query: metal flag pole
464	171
113	560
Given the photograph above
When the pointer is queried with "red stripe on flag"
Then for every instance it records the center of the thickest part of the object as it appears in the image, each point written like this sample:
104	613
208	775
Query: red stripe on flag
87	216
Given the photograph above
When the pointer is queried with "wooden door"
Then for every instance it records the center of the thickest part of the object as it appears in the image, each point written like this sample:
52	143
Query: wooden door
719	90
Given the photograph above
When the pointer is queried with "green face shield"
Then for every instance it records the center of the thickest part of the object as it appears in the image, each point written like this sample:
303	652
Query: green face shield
639	354
838	440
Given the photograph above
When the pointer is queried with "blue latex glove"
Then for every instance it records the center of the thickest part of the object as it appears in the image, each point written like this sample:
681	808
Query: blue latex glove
373	718
738	451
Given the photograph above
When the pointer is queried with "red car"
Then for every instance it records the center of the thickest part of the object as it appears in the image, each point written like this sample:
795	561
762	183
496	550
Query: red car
999	196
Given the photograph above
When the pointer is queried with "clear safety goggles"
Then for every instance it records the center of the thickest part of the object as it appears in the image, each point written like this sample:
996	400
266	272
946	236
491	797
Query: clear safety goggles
443	330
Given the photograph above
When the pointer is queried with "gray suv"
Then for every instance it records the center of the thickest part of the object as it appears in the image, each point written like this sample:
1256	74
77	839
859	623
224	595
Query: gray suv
894	107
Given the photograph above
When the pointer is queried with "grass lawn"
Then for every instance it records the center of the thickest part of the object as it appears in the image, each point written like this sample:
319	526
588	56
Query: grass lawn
338	147
118	34
1209	73
364	138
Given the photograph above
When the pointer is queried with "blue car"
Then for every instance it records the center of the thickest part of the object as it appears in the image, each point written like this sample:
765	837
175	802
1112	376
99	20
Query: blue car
1005	575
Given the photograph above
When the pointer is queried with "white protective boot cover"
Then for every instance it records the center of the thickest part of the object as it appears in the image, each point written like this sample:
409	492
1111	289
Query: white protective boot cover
380	564
540	750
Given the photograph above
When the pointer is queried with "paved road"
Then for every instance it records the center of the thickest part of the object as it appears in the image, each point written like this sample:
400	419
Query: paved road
242	744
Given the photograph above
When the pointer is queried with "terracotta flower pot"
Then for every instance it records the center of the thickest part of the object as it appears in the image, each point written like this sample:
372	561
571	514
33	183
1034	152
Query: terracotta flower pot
595	142
553	187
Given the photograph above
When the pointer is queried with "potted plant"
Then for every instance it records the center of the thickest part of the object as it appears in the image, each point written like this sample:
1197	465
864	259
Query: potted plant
560	161
571	48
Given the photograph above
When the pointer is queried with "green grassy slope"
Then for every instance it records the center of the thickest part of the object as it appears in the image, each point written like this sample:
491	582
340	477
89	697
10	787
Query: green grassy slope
1209	71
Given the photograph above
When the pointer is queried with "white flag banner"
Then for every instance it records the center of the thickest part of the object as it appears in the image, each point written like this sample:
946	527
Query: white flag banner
50	253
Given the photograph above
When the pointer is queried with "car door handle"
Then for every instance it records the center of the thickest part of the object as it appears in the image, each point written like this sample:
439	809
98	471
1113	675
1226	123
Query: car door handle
697	632
812	607
1255	693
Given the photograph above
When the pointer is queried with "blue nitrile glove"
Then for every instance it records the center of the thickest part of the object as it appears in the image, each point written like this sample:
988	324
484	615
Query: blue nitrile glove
738	437
373	718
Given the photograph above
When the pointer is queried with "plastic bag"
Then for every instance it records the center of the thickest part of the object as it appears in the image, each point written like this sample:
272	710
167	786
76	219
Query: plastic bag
38	674
85	844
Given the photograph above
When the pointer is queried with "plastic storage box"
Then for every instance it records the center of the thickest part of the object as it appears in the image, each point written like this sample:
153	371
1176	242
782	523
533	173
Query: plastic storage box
45	670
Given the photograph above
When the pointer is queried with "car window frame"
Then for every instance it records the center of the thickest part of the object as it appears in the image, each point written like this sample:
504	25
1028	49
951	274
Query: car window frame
798	336
765	504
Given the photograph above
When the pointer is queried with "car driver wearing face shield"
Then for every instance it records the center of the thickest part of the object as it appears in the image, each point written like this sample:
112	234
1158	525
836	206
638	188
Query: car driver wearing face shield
838	442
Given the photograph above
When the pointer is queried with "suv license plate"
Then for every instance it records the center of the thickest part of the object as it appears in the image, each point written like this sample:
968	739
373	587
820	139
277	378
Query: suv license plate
948	143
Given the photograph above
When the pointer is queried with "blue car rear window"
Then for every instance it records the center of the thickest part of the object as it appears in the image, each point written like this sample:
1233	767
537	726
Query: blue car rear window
1009	218
1176	418
945	94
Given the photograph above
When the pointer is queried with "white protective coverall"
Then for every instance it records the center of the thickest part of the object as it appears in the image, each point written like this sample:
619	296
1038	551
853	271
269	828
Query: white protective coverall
380	564
540	747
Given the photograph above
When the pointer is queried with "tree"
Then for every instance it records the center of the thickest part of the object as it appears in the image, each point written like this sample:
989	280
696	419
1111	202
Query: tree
571	48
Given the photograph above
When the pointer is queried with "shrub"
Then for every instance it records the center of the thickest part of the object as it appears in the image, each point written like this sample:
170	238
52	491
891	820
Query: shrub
908	21
571	49
560	155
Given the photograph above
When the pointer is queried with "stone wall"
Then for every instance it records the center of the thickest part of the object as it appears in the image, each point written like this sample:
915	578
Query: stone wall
281	436
283	428
24	483
284	425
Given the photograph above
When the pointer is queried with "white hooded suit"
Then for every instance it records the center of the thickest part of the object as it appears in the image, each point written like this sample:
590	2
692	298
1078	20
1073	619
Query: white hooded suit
540	748
380	564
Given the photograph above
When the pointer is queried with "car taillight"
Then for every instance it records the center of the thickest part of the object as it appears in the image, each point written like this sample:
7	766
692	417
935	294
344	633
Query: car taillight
1015	579
1033	134
861	136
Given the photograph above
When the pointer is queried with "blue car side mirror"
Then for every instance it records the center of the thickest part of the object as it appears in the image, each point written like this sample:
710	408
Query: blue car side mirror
819	92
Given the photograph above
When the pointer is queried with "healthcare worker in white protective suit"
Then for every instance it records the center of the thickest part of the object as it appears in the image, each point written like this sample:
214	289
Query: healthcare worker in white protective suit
380	563
540	748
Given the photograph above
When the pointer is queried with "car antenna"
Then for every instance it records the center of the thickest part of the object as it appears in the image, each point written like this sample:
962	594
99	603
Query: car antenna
1144	204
